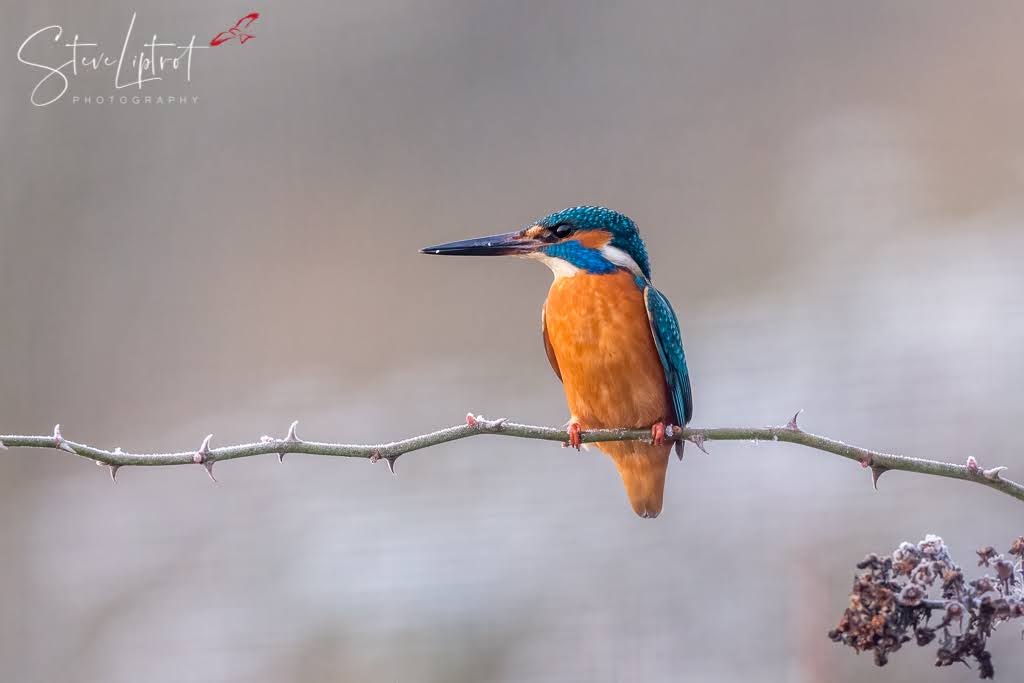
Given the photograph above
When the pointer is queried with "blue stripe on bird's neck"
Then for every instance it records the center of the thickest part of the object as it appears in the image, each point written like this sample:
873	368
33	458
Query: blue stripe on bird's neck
584	258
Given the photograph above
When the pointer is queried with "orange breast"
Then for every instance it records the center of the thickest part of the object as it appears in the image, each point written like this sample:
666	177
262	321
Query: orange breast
598	328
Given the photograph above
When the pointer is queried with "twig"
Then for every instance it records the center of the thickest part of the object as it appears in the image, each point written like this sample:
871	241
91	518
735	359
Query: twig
206	456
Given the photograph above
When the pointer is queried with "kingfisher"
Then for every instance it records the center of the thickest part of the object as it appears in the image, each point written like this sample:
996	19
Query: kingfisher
611	338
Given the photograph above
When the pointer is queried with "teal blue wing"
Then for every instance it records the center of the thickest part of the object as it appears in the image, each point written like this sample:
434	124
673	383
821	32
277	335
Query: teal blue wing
668	340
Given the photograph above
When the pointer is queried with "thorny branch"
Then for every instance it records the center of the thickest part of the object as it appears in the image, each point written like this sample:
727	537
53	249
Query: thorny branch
876	461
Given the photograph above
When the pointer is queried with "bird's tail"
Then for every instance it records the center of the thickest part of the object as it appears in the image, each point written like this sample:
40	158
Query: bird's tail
642	467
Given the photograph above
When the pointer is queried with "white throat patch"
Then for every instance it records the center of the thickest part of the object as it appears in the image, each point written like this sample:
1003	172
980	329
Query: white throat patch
559	267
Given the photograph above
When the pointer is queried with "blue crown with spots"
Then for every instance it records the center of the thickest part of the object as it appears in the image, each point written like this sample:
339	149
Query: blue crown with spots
625	235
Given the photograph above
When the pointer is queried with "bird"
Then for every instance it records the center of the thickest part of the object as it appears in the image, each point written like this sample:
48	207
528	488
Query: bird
240	30
611	338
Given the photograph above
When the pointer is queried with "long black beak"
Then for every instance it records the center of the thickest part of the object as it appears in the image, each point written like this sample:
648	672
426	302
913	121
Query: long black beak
509	243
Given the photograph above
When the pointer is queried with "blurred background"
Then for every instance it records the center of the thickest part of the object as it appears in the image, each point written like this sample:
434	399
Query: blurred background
831	193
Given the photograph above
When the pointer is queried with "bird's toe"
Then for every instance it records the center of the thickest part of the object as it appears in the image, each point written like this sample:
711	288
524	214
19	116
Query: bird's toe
575	435
658	433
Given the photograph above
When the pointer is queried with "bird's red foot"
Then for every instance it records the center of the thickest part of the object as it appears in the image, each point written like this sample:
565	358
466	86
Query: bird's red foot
658	433
575	435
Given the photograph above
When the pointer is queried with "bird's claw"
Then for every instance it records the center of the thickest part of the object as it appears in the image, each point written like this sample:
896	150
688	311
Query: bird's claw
658	433
575	435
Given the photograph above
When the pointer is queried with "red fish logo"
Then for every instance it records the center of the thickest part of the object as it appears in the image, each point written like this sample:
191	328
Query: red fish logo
240	30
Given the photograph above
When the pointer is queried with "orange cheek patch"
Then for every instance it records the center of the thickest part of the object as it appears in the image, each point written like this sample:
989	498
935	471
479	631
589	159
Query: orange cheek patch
534	232
594	239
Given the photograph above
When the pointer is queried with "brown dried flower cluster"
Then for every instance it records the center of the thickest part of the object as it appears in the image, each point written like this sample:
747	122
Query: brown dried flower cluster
892	603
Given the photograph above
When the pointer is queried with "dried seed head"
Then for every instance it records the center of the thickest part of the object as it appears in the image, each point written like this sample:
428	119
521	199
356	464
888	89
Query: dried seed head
869	561
1004	569
933	547
891	604
952	576
924	635
923	575
905	558
911	595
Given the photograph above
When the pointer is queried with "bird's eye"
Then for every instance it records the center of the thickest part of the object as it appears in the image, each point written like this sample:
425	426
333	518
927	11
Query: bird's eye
562	230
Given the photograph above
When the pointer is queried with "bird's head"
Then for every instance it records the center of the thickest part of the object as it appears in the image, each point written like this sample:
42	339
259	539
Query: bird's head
588	238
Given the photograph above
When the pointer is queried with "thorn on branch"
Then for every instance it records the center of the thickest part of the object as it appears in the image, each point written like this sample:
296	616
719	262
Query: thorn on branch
200	457
290	438
994	473
376	457
991	474
112	468
59	442
792	425
482	424
204	450
2	446
876	472
698	441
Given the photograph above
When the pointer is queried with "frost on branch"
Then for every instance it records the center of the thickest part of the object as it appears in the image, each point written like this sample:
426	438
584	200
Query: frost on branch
920	594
